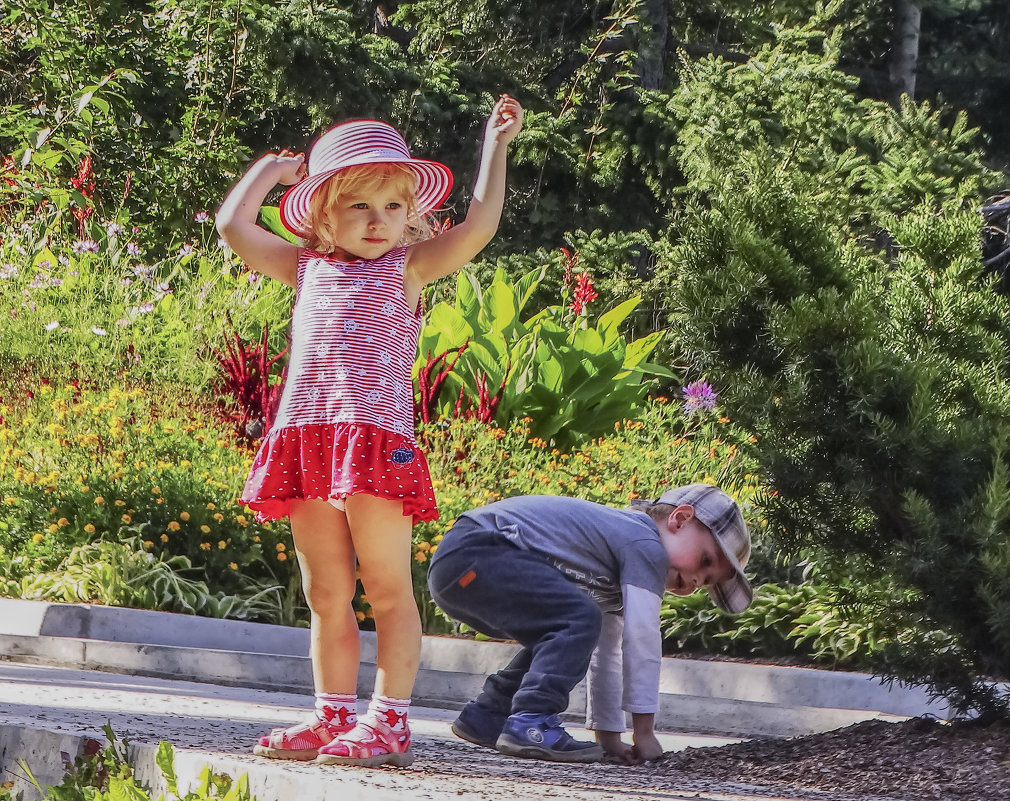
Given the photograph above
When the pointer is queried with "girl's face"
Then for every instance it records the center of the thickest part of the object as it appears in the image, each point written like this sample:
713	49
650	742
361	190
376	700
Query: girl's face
370	222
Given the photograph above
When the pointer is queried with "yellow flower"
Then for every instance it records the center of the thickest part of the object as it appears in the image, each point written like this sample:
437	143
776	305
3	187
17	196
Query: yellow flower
205	529
127	519
185	463
204	546
421	557
241	520
53	528
89	528
164	537
120	502
37	538
256	538
281	557
221	545
184	515
174	526
218	517
211	506
281	547
99	500
233	566
360	616
62	522
156	490
148	544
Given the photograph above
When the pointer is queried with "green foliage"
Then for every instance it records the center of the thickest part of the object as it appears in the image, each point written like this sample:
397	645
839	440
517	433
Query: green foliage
811	622
119	308
572	380
125	574
105	774
876	384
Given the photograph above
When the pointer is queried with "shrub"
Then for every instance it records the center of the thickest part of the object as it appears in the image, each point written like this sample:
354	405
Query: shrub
876	381
493	360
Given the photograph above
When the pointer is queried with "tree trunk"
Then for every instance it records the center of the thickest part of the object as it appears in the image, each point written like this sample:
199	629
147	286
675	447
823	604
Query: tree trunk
654	30
904	50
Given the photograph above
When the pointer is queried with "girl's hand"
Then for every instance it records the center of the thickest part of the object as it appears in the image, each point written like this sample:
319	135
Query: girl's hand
290	166
506	120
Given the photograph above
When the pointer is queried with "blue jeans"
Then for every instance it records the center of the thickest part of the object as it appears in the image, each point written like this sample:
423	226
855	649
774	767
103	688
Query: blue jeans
499	589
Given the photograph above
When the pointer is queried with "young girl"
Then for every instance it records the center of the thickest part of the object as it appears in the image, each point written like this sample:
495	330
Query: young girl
341	459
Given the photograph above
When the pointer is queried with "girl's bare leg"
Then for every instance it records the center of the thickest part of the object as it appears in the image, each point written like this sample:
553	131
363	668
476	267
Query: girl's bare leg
381	536
327	561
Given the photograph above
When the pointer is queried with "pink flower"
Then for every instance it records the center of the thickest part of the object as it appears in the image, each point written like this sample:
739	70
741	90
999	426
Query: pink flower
584	293
201	217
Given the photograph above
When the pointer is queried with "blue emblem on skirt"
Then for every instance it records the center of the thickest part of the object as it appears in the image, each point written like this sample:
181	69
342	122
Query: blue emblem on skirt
402	455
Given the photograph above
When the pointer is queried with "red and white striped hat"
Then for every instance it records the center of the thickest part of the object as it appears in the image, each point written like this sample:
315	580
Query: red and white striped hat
361	142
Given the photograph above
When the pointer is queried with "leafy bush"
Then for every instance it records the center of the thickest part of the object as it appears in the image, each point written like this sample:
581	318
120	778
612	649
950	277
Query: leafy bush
125	574
78	464
572	380
875	380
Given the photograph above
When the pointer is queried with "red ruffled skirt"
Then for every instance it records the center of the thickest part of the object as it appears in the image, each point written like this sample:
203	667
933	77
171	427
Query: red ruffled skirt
334	460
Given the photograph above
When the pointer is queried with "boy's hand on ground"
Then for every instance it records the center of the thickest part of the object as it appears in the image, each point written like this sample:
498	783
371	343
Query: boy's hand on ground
615	750
647	748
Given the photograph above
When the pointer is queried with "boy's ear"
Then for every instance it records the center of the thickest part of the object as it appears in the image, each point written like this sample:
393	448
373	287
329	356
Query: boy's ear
679	516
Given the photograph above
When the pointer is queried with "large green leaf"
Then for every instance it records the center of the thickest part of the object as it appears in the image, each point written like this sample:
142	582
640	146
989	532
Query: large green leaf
499	308
271	216
610	321
467	295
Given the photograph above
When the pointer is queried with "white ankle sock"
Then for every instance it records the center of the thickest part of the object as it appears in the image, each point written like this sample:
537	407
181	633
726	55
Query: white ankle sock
339	708
391	711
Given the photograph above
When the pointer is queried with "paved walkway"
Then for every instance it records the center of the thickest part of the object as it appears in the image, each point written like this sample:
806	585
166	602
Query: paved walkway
209	723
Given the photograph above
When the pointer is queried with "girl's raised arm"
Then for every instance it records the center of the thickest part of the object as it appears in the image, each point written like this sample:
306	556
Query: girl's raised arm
262	250
446	253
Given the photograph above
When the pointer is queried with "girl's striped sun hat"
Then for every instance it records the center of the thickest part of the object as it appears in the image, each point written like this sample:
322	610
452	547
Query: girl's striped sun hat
354	143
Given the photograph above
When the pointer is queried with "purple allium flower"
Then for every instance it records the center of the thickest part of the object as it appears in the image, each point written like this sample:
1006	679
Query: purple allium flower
699	395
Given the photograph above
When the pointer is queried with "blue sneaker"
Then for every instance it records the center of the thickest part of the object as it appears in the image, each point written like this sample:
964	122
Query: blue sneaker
479	725
537	736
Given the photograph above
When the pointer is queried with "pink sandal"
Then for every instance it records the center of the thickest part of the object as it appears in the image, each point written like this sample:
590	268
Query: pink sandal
369	744
301	742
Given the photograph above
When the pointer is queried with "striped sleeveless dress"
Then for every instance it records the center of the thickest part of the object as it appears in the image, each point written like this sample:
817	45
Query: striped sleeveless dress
345	424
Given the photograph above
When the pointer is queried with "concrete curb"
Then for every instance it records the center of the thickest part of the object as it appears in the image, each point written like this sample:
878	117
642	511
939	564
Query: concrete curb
714	697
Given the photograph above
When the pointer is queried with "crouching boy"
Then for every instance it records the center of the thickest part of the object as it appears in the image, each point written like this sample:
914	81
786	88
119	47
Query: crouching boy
579	586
